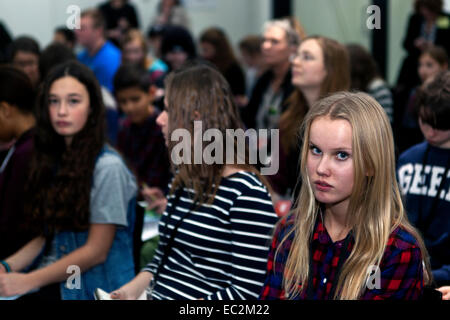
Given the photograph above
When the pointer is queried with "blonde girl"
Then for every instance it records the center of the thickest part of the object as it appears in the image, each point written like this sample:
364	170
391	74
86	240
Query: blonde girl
348	236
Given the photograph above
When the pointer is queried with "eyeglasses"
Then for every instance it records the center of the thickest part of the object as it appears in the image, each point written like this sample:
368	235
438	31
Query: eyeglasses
301	55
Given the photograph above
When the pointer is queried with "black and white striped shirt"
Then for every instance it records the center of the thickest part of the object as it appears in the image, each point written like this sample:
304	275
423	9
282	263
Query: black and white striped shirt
220	250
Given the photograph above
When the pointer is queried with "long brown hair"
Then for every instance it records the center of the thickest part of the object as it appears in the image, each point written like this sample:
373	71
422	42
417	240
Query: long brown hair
199	92
61	177
375	209
224	55
337	66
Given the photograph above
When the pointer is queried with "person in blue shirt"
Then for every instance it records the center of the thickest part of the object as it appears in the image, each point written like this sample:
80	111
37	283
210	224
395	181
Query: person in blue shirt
424	175
99	54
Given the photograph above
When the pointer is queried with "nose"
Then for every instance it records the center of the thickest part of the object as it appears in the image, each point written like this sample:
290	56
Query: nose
323	166
62	109
295	59
266	44
428	131
162	119
125	106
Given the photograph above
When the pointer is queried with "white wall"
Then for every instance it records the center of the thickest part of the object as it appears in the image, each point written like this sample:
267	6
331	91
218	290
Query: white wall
399	12
343	20
39	18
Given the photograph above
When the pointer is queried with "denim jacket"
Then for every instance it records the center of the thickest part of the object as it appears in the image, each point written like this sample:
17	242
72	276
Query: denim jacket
115	271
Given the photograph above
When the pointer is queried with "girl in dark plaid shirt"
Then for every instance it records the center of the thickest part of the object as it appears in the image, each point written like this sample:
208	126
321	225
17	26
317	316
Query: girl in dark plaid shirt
348	236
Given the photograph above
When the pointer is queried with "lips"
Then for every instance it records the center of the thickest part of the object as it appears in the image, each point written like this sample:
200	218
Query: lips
322	185
62	123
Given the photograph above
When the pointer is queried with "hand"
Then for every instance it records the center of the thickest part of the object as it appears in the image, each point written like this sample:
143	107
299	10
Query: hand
13	284
133	289
445	292
122	294
2	269
155	199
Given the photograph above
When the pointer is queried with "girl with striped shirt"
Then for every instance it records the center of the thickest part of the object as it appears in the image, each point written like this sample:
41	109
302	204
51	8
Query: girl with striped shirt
215	231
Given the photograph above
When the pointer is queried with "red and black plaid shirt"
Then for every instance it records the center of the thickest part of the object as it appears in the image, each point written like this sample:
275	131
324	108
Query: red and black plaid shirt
401	269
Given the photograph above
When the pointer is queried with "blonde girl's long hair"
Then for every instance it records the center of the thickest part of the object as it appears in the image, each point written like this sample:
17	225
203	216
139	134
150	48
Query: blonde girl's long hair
375	207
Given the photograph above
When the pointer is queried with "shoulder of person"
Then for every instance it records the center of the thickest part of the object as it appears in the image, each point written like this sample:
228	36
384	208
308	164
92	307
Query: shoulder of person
108	157
246	179
111	49
283	228
401	239
265	78
414	153
286	223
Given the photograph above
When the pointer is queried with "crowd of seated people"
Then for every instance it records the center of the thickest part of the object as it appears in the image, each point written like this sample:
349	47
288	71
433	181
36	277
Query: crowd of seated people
92	139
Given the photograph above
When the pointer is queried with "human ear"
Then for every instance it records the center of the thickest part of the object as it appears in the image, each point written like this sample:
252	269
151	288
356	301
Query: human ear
5	109
152	90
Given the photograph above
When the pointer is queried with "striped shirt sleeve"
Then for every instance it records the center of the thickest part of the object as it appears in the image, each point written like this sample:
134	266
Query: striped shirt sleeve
252	219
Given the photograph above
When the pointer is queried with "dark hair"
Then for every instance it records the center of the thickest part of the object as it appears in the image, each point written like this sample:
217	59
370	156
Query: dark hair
434	6
175	4
251	44
433	102
178	38
156	30
61	178
224	55
438	53
54	55
16	89
68	34
24	44
130	75
363	68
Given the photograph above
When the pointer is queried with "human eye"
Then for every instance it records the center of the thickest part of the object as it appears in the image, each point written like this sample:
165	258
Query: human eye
53	101
342	155
314	150
307	56
74	101
135	99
